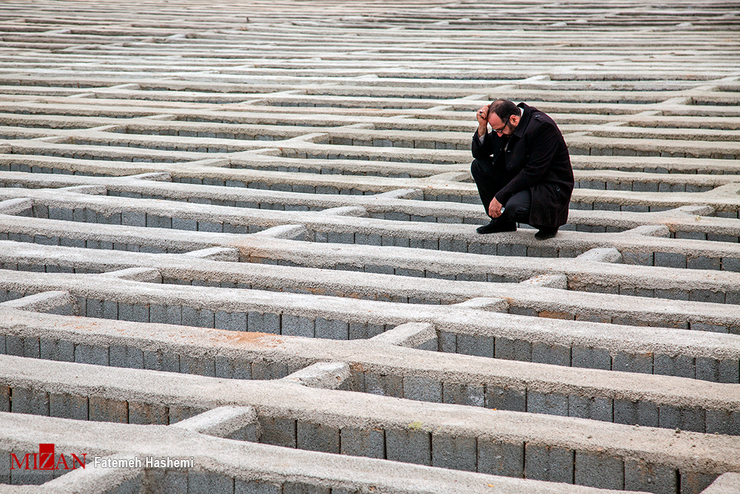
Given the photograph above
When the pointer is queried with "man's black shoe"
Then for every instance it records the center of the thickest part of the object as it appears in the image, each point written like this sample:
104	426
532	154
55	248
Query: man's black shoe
496	226
545	233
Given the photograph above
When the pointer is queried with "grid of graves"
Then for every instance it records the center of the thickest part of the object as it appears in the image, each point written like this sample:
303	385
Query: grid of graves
246	237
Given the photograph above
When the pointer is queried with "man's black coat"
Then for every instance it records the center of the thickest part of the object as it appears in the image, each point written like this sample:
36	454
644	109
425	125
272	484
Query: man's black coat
536	158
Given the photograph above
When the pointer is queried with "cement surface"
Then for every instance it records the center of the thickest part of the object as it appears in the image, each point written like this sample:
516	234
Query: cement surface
178	180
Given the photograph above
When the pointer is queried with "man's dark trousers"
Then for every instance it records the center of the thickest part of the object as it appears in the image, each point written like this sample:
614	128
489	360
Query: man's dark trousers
490	178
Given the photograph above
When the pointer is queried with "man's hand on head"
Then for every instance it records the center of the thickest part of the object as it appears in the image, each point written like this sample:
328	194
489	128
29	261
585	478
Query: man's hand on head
482	116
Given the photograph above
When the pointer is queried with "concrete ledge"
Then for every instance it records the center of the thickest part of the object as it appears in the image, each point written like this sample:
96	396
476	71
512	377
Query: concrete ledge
86	189
402	194
558	281
355	211
728	483
229	422
597	220
421	336
325	375
487	303
56	302
598	307
162	240
288	232
131	158
677	219
143	275
696	210
601	255
605	395
249	467
650	231
586	344
20	206
152	176
356	129
605	278
93	479
134	214
216	254
414	432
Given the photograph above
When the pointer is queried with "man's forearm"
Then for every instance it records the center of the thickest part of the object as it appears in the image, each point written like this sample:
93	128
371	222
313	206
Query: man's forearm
480	147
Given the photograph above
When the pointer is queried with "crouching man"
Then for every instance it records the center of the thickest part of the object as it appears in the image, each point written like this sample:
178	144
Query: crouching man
522	169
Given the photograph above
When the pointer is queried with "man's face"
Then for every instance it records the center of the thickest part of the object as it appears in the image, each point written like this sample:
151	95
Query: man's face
501	127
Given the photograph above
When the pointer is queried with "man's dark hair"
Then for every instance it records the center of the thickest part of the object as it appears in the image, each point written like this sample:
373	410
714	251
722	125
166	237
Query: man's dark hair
504	109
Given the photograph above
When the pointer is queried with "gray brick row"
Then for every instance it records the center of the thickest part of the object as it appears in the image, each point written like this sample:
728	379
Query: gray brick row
588	205
420	441
73	240
527	460
327	233
176	315
410	386
717	368
92	407
611	150
284	324
602	408
725	370
120	355
276	204
134	218
641	186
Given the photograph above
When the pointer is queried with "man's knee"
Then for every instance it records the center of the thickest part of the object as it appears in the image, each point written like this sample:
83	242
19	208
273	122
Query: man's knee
518	207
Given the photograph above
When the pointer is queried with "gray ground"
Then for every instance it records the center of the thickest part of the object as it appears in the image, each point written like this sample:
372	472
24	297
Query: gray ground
241	238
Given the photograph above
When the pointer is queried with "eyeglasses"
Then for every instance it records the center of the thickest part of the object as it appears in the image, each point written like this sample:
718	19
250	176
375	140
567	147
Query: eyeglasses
501	130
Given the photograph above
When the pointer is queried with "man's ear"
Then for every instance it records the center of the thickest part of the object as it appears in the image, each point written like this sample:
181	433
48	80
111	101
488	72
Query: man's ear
514	119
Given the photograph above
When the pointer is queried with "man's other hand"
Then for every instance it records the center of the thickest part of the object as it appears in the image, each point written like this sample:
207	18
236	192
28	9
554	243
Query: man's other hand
494	209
